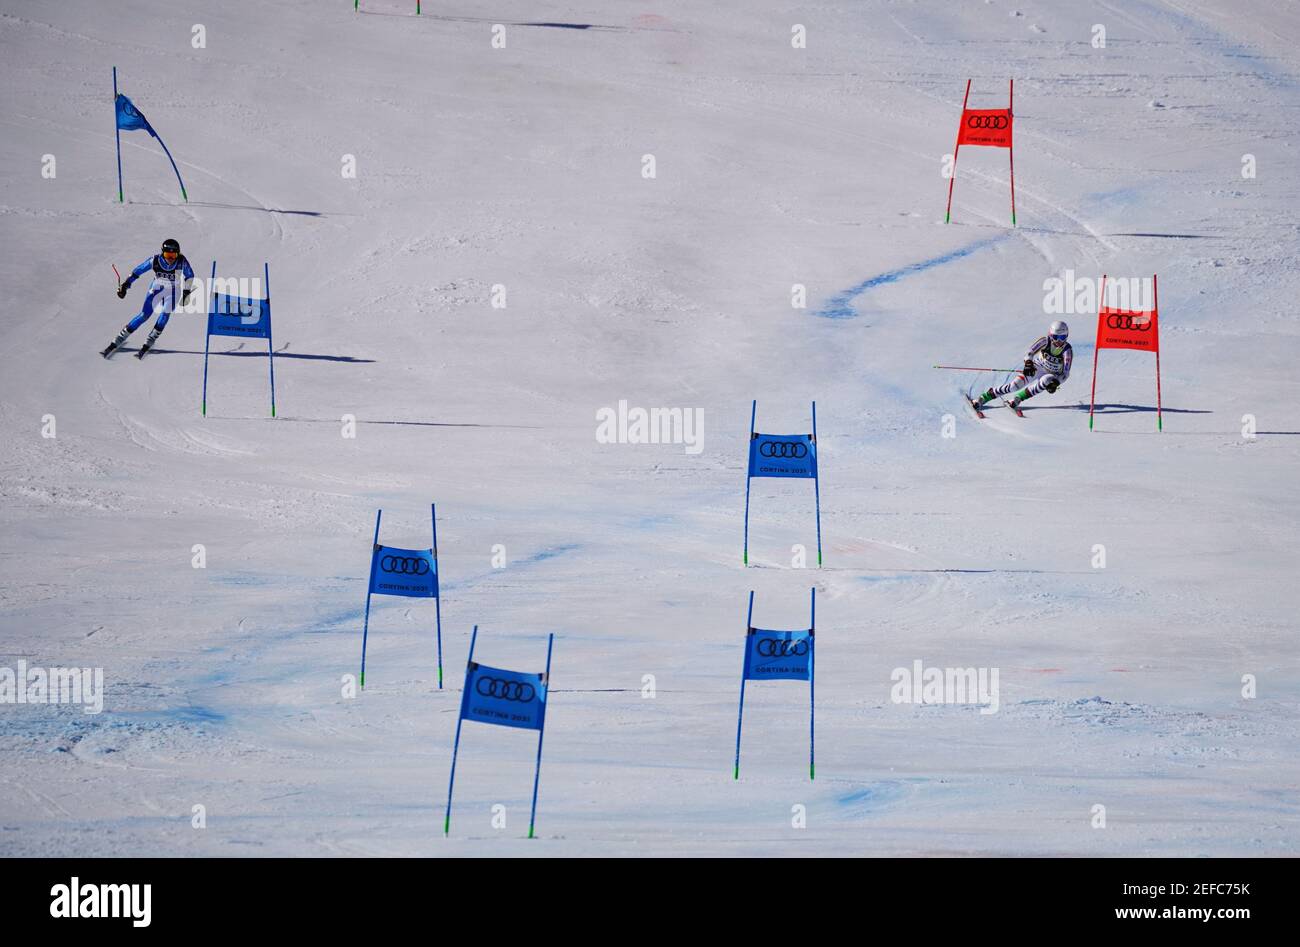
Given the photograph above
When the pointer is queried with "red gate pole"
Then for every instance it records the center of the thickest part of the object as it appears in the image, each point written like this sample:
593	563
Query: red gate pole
1101	304
1155	313
1011	149
947	214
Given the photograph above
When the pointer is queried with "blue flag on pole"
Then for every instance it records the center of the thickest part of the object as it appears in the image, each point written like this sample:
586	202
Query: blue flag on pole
409	572
241	317
412	573
505	698
128	118
785	456
780	656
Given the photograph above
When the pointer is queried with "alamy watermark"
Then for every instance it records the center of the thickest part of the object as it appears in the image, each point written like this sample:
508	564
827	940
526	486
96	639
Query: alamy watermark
934	685
37	685
624	425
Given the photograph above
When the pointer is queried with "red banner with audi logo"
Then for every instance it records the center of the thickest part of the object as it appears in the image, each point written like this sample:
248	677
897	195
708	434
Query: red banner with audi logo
1128	329
989	128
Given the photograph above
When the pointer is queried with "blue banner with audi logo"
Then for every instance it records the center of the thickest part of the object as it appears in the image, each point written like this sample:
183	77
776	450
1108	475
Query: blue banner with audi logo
505	698
772	655
778	655
783	456
240	317
410	573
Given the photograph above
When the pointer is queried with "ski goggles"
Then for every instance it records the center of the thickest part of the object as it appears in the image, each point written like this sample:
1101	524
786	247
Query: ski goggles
1056	343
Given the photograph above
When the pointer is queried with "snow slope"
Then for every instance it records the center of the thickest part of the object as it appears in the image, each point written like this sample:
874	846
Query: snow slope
522	167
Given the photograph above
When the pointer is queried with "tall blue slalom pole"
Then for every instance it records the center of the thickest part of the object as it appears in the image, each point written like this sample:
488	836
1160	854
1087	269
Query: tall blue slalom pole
270	347
753	413
812	682
207	336
455	747
817	491
370	581
749	622
437	602
117	131
541	732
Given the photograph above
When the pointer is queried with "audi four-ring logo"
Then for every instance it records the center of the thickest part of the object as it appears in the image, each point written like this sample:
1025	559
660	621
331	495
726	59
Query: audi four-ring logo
783	449
404	565
986	121
1135	322
505	690
782	647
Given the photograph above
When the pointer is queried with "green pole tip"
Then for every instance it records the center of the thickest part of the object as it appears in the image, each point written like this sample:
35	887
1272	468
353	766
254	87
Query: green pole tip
184	195
736	775
812	771
446	826
530	831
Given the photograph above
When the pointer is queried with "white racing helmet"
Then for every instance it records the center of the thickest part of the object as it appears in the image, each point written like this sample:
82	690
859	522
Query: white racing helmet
1057	336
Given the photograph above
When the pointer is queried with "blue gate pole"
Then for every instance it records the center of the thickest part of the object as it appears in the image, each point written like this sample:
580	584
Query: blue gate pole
749	452
437	601
370	581
207	336
117	131
817	490
812	678
541	732
749	621
446	823
270	346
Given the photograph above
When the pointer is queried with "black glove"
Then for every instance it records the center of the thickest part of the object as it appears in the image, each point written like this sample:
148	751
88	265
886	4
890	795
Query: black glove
1030	370
185	296
121	290
1051	386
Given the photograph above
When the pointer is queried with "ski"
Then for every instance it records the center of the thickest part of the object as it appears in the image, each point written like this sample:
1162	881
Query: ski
1014	407
974	407
108	352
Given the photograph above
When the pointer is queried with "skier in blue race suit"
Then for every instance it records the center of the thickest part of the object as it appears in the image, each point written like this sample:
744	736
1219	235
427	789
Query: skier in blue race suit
161	296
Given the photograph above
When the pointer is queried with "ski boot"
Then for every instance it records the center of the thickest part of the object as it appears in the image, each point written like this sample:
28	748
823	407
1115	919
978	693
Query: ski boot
113	346
148	343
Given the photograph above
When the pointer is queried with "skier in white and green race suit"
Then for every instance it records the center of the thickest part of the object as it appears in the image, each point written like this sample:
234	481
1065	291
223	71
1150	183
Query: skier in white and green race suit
1047	365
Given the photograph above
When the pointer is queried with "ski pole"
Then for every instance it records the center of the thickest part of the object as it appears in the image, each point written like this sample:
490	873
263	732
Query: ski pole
118	275
962	368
